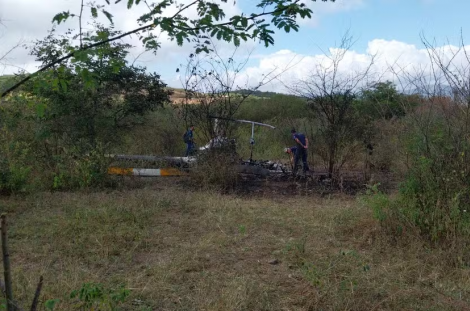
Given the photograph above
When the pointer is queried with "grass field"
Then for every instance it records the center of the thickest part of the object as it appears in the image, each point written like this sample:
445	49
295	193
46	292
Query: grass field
177	249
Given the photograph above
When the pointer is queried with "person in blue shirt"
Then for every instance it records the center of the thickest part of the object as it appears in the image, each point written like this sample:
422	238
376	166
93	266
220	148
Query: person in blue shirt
301	151
188	138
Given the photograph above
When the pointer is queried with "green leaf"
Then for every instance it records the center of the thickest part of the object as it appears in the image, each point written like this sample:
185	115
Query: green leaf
63	85
214	31
116	68
179	38
108	15
130	3
50	304
94	12
40	109
74	294
236	41
61	17
55	84
244	22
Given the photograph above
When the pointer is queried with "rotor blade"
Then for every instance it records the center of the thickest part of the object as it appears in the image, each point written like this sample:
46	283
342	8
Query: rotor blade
243	121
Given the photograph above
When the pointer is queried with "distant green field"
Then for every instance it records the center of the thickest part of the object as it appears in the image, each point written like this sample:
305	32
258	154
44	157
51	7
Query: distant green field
4	81
4	78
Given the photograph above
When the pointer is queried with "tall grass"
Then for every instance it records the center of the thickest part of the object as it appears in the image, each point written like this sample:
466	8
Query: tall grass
180	250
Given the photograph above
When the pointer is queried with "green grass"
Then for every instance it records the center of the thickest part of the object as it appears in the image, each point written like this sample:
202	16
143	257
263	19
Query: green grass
182	250
5	79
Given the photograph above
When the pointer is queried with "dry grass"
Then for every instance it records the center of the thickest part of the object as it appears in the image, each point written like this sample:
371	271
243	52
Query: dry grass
182	250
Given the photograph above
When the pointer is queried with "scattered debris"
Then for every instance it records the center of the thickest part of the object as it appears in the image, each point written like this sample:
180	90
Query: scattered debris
254	174
274	262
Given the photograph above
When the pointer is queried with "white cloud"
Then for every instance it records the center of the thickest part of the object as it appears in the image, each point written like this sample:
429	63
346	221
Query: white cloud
390	56
28	20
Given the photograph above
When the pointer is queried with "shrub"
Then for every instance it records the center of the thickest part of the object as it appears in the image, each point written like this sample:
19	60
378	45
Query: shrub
75	171
215	169
434	200
14	170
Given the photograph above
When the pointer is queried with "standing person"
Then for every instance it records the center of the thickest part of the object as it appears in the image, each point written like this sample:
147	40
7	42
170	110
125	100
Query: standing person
188	138
301	151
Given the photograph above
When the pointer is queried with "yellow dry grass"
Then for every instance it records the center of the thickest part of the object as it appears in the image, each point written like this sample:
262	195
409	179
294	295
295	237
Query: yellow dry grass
183	250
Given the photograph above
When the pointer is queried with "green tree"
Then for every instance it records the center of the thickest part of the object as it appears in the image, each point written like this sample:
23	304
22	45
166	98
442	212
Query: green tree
211	22
382	100
94	95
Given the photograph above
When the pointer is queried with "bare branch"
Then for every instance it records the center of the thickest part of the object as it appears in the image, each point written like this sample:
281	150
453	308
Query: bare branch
80	24
35	302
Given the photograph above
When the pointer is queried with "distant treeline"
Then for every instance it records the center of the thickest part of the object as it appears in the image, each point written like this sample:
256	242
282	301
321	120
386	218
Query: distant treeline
257	93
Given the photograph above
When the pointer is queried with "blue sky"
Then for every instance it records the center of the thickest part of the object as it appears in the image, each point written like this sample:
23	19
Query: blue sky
379	19
401	20
367	20
391	27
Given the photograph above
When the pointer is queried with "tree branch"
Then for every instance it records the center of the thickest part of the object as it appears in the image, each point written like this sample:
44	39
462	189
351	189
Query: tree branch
34	305
87	47
80	24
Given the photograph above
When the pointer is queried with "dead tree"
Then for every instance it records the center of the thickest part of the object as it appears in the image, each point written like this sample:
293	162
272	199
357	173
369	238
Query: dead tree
330	92
214	85
443	87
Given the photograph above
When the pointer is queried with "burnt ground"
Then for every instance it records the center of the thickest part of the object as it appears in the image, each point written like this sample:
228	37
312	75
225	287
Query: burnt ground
283	184
318	183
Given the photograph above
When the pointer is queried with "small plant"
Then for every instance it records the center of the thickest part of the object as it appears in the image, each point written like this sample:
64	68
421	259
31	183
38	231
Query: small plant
94	296
50	304
295	250
377	200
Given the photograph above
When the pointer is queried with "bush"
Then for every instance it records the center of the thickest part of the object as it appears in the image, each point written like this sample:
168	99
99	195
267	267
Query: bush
389	212
14	170
434	200
388	154
215	169
74	171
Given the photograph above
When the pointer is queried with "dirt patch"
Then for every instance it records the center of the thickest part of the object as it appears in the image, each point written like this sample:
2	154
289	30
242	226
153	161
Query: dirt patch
351	183
277	185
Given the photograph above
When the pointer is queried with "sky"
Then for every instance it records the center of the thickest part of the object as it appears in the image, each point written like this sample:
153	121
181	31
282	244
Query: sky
391	30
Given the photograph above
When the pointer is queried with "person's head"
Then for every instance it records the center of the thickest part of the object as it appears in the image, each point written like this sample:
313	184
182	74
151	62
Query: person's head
293	131
191	127
287	150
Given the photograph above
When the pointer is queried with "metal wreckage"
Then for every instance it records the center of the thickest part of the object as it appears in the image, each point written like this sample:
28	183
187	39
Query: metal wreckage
177	166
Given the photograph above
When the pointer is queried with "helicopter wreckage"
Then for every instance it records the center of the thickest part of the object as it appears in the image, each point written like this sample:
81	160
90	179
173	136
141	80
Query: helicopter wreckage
178	166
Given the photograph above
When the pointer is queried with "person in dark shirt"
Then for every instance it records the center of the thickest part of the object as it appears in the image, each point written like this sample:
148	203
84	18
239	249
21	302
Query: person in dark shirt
189	140
301	151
